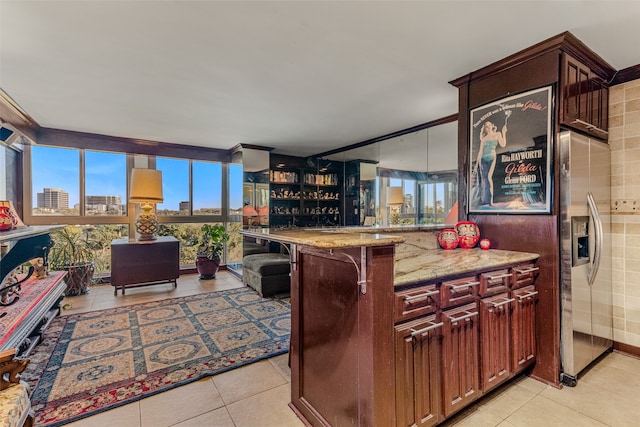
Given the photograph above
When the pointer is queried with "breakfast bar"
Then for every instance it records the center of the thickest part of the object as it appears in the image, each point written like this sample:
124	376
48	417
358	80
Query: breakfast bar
356	293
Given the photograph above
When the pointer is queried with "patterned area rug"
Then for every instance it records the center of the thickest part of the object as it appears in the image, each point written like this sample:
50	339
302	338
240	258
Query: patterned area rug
96	361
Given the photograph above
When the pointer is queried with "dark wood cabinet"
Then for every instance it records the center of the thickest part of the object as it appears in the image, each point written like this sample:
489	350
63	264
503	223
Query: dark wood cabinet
418	373
460	362
585	96
495	339
523	328
141	263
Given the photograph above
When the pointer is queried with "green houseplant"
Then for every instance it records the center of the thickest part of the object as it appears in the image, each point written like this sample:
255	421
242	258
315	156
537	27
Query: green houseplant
74	250
210	245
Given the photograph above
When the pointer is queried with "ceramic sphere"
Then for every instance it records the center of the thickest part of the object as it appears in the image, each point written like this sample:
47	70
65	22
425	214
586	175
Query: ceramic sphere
485	244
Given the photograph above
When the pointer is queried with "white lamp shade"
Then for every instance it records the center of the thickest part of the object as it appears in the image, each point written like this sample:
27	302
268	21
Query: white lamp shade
146	186
394	196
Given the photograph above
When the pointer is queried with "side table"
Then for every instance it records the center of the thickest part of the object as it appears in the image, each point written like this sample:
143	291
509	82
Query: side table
143	263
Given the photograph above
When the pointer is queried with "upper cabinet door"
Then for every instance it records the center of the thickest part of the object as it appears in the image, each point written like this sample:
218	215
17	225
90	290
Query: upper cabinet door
585	99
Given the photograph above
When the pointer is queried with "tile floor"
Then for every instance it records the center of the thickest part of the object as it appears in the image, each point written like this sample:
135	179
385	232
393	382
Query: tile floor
257	395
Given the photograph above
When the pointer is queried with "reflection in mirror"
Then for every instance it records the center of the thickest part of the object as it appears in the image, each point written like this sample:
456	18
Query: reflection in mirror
422	163
255	202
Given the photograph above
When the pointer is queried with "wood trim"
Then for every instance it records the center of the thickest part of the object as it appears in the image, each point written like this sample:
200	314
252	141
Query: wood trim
626	75
65	138
626	349
565	42
10	112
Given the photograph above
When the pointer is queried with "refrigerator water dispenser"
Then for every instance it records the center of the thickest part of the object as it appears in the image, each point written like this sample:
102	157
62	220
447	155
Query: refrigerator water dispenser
580	240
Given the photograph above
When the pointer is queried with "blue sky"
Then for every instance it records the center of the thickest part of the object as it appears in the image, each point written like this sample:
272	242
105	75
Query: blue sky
106	175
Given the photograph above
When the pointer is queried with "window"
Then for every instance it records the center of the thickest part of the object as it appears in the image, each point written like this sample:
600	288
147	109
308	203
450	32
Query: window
88	187
175	187
105	183
207	188
55	188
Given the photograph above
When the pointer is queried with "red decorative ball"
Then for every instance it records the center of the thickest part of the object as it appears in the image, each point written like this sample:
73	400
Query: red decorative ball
485	244
468	234
448	239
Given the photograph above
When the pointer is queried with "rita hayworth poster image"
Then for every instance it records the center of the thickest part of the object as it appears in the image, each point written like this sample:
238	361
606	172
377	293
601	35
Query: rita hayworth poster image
510	157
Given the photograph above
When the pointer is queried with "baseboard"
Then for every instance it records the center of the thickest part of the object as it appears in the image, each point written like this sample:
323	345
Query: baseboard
627	349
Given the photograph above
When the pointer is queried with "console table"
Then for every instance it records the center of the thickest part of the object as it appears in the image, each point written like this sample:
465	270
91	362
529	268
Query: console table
143	263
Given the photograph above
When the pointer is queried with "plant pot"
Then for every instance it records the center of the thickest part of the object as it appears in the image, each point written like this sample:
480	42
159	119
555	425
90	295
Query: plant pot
207	268
78	279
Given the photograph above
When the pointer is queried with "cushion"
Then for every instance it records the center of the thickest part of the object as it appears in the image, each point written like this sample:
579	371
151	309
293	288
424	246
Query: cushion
249	248
268	264
14	406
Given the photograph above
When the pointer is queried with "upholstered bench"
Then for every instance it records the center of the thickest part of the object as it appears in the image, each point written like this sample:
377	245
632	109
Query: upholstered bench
15	406
267	273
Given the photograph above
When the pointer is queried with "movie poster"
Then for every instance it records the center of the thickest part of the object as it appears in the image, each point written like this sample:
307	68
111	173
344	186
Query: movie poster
510	162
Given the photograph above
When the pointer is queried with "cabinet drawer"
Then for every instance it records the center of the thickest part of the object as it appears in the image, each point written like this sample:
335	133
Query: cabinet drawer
459	291
524	275
411	303
528	293
494	282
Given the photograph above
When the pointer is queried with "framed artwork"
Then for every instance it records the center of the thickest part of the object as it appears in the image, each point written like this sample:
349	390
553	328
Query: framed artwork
510	156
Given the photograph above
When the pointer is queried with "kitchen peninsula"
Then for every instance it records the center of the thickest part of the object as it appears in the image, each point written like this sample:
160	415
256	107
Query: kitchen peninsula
388	329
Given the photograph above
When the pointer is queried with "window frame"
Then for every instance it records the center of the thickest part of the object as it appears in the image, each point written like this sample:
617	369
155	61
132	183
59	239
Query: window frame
132	160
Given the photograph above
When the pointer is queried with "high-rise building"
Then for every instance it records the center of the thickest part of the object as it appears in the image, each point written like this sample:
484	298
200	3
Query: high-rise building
104	204
53	198
103	200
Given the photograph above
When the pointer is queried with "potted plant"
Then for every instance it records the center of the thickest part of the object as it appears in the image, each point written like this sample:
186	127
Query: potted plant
210	245
75	252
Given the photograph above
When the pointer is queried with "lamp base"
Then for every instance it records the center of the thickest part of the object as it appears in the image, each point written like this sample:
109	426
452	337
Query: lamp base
147	223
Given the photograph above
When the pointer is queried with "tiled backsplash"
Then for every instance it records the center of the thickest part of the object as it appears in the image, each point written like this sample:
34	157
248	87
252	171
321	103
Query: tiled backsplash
624	139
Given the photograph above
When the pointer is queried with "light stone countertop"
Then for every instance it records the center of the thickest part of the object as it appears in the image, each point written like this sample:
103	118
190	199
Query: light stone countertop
329	238
417	257
422	266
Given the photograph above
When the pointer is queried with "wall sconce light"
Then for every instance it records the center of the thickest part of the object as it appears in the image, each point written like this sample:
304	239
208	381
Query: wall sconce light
146	188
395	200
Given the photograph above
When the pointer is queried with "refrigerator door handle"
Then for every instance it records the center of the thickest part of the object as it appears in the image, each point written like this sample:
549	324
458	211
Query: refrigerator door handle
597	222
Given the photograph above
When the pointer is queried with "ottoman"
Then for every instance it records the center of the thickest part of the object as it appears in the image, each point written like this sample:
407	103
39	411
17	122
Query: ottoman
267	273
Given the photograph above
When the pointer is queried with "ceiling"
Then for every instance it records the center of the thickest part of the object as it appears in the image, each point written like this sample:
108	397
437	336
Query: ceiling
301	76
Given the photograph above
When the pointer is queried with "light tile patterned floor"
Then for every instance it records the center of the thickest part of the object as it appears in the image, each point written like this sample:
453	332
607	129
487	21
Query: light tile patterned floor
257	395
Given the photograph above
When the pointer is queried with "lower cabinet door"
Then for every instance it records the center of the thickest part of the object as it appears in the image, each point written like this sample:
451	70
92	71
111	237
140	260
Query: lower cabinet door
460	361
495	340
418	373
524	328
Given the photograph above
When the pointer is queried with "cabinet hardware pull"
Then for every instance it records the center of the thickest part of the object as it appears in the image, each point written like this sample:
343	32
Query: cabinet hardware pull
501	276
507	301
527	295
421	296
466	316
526	270
415	333
464	286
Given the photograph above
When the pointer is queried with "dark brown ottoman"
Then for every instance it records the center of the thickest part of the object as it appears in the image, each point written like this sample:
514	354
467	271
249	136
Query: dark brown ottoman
267	273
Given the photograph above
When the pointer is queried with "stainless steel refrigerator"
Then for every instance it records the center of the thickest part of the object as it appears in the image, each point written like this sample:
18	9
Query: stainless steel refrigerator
585	268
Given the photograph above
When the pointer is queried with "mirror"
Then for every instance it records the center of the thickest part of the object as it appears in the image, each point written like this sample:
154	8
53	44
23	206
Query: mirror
255	202
422	163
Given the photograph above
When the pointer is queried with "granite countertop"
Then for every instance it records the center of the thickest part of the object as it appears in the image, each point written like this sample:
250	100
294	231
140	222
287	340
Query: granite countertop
330	238
421	266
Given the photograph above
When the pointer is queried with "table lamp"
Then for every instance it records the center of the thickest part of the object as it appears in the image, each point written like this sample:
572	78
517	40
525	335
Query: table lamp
146	188
395	199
